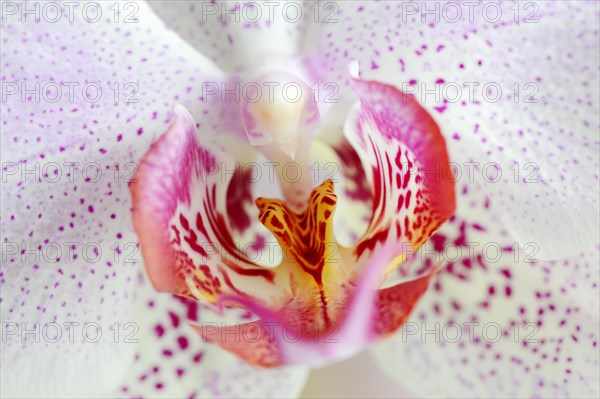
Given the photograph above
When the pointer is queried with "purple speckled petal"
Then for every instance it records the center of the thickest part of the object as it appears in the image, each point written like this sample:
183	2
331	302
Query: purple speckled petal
171	360
73	220
495	322
237	35
545	140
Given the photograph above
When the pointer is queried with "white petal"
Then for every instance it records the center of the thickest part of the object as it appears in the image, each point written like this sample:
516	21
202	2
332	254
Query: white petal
358	377
237	34
498	323
44	212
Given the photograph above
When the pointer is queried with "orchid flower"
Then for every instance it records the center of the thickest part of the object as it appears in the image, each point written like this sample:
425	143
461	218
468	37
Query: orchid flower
134	229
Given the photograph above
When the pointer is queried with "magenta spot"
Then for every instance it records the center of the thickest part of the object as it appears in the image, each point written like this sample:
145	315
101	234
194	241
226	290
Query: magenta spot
174	319
506	273
183	342
197	357
192	307
259	243
159	330
478	227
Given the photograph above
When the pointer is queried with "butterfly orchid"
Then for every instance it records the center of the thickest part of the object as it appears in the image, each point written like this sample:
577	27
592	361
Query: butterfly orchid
191	234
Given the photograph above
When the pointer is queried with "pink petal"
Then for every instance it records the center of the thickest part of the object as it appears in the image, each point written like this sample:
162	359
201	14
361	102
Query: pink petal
180	215
400	146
